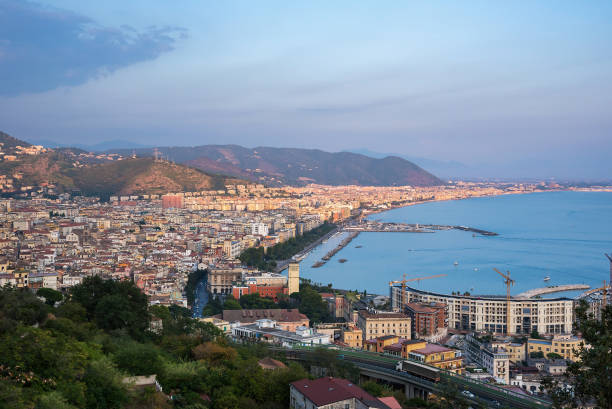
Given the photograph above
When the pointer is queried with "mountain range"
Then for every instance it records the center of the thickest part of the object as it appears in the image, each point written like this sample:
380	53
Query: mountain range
73	169
296	167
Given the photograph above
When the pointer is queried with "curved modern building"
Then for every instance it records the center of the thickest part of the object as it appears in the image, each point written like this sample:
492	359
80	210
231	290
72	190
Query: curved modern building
488	313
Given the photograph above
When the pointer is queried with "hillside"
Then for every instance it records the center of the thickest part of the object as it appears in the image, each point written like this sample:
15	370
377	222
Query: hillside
278	166
68	171
9	143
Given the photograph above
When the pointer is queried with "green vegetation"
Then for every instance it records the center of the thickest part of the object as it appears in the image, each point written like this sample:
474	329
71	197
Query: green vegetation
536	354
591	375
267	260
74	356
308	301
553	355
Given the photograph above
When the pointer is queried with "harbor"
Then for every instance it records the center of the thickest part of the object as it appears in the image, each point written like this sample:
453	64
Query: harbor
377	226
336	249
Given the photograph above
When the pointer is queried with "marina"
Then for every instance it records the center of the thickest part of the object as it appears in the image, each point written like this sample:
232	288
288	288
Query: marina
377	226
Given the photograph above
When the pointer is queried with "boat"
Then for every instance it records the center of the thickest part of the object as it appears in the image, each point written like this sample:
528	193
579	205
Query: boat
475	268
547	278
318	264
456	263
358	247
342	260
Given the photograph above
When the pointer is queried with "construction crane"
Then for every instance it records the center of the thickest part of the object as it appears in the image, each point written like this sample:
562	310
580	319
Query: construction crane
406	280
509	282
609	256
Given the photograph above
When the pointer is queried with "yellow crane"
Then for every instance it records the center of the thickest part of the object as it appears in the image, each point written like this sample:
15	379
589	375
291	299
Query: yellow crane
509	282
406	280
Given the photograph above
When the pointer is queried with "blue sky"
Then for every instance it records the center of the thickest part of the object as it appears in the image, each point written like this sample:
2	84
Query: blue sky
518	85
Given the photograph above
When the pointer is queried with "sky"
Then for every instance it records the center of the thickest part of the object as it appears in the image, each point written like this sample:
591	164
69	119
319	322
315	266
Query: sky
511	88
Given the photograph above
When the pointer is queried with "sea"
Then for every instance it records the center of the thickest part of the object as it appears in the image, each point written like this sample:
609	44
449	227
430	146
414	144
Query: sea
562	235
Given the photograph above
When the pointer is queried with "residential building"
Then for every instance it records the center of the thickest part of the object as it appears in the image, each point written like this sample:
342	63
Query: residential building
494	359
331	393
428	319
352	337
377	324
488	314
566	346
439	356
266	291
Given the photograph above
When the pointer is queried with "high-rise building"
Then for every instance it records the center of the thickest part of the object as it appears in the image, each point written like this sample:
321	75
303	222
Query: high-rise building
294	278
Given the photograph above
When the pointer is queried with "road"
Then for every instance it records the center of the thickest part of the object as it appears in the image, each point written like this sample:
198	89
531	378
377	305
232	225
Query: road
201	299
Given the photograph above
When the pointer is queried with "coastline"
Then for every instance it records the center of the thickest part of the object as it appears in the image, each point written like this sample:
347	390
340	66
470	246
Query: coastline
527	270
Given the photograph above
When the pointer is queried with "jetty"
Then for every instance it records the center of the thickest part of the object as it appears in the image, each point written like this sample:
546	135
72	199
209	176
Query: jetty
376	226
340	246
552	289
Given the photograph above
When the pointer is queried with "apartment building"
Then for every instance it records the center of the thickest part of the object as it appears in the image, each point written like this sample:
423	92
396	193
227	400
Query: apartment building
494	359
488	314
565	345
378	324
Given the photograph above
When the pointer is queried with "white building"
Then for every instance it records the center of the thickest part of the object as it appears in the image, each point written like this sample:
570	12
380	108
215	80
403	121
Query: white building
259	229
266	330
488	314
494	360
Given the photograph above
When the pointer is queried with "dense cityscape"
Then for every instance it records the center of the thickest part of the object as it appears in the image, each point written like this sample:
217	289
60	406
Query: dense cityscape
305	205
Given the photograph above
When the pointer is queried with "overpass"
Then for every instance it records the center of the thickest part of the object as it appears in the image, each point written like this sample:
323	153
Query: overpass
382	367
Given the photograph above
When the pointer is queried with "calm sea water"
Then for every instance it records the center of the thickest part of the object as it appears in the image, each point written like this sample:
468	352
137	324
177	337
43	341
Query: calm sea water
559	234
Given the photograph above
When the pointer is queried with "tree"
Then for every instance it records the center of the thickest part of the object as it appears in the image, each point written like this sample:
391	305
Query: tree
591	375
536	354
553	355
105	389
139	359
231	304
113	304
51	296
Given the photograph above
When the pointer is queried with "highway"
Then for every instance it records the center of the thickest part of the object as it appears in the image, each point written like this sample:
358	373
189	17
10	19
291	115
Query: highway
382	366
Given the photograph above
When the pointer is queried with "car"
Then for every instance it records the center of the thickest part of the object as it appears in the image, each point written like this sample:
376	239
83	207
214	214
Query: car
468	394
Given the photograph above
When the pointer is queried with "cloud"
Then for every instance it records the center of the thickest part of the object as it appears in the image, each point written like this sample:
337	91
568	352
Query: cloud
42	48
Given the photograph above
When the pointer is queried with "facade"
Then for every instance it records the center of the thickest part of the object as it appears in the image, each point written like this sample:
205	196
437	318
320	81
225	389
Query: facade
427	319
331	393
221	280
495	360
516	351
566	346
266	330
488	314
294	278
438	356
266	291
172	201
232	249
352	337
379	324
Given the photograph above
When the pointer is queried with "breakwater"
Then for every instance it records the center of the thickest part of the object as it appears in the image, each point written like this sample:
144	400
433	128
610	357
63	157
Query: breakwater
336	249
375	226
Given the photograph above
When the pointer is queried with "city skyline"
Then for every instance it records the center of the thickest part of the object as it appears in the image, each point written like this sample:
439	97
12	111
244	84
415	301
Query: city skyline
510	90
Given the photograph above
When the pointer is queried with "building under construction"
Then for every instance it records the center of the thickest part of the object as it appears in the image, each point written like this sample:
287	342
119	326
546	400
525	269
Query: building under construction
488	313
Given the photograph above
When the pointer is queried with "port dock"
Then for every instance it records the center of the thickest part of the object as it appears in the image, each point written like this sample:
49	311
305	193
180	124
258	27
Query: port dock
552	289
374	226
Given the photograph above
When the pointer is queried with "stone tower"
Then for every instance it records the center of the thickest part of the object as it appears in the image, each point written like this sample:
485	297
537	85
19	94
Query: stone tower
294	278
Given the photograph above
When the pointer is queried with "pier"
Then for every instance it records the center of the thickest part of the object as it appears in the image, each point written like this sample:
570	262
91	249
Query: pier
339	247
373	226
552	289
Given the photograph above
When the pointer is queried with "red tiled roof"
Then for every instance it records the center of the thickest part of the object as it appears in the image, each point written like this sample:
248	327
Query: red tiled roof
324	391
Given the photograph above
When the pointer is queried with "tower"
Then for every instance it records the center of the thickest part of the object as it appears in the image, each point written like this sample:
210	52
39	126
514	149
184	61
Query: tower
294	278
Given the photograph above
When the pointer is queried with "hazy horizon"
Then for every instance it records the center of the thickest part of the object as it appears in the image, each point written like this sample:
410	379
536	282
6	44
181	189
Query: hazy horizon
509	90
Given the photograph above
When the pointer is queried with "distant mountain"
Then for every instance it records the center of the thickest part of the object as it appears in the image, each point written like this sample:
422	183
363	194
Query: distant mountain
9	143
98	147
289	166
445	169
127	176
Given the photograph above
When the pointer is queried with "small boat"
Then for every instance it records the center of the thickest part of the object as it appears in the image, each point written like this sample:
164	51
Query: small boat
342	260
358	247
547	278
456	263
475	268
